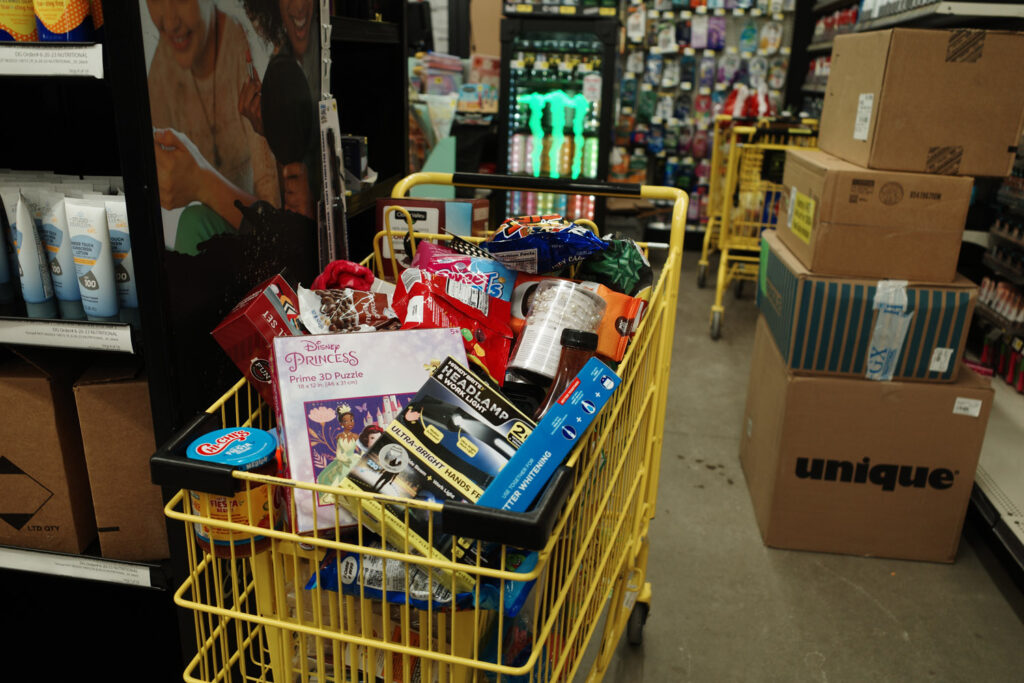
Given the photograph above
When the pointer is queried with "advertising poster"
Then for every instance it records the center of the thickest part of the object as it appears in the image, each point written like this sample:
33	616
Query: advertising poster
233	87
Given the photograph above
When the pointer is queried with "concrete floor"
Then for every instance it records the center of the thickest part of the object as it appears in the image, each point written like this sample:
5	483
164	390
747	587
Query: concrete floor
726	608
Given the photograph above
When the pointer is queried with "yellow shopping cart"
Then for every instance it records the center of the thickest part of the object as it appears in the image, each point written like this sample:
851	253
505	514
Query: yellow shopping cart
716	192
540	580
752	197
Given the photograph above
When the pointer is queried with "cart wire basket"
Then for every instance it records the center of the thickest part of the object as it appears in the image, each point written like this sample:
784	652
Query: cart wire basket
750	198
518	597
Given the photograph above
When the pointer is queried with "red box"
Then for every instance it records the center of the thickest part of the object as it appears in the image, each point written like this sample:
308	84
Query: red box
246	334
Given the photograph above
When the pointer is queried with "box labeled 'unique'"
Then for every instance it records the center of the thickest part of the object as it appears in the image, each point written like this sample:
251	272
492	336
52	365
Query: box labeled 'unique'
860	327
864	468
843	219
928	101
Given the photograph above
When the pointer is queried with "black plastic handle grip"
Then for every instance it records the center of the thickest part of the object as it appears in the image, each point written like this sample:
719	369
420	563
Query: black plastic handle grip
529	530
169	466
511	182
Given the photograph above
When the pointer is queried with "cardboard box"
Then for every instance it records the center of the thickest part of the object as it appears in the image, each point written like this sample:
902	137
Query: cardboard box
858	327
925	101
117	433
857	467
270	310
848	220
44	488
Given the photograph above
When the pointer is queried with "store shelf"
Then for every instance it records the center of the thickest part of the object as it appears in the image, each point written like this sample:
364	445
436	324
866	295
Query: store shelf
367	199
67	334
825	46
945	13
824	6
1007	272
345	29
1000	475
519	9
1013	329
1007	238
82	567
78	60
813	89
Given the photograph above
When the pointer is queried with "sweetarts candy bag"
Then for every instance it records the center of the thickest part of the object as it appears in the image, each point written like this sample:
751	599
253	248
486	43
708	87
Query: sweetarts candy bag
426	300
541	244
485	274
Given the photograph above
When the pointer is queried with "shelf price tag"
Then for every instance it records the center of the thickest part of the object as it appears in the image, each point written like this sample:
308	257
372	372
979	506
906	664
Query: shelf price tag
606	11
54	59
653	14
709	53
689	51
705	91
701	10
686	14
686	85
719	12
669	15
738	12
523	8
67	334
778	16
567	9
755	12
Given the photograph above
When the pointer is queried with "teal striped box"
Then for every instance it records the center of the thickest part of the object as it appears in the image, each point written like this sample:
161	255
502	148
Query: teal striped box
823	325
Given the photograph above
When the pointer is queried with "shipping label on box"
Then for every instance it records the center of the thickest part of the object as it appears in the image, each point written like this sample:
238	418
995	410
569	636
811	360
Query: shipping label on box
878	329
848	466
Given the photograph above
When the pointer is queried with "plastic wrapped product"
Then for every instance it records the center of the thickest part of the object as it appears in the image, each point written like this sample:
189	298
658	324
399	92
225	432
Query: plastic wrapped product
542	244
323	311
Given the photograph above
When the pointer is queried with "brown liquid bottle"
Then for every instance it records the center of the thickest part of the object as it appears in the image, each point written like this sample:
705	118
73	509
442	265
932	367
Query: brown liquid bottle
577	348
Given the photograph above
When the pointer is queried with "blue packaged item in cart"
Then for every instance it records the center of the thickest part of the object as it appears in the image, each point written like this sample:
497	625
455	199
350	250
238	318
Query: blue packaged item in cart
364	574
542	244
521	481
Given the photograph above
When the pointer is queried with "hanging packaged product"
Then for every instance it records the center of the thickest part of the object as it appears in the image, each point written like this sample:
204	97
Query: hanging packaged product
655	66
93	259
51	221
324	311
771	38
18	22
541	244
716	33
64	20
729	67
706	74
748	38
425	300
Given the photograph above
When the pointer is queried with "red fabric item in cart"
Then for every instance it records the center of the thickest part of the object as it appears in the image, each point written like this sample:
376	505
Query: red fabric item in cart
344	275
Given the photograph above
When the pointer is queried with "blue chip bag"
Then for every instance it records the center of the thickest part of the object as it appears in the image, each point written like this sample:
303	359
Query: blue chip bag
359	573
542	244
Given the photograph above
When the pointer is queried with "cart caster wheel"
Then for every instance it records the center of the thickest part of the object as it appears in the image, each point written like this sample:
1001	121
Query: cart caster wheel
716	324
738	292
637	619
702	276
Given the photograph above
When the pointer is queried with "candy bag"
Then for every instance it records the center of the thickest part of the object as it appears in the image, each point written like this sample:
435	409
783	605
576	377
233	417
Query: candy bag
429	300
345	310
541	244
485	274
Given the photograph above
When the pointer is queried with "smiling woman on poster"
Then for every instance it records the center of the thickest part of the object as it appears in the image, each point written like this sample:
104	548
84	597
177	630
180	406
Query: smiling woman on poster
206	151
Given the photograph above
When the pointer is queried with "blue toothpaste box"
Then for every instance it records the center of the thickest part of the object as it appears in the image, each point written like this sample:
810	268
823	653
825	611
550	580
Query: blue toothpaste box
521	481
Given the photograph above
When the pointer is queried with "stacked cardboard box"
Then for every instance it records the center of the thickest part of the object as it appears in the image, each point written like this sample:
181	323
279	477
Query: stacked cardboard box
862	431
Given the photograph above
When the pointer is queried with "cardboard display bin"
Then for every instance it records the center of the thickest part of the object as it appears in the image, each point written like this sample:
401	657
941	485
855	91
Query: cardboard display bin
44	489
929	101
848	220
859	467
859	327
117	433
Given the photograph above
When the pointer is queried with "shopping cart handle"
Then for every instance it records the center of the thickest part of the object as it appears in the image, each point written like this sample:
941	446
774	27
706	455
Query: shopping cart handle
529	530
508	182
169	467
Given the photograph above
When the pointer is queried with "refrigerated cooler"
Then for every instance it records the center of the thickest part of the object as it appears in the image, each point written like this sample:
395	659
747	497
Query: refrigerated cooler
557	91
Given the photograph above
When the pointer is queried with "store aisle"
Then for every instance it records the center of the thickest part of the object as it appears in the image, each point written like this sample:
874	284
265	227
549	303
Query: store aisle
726	608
